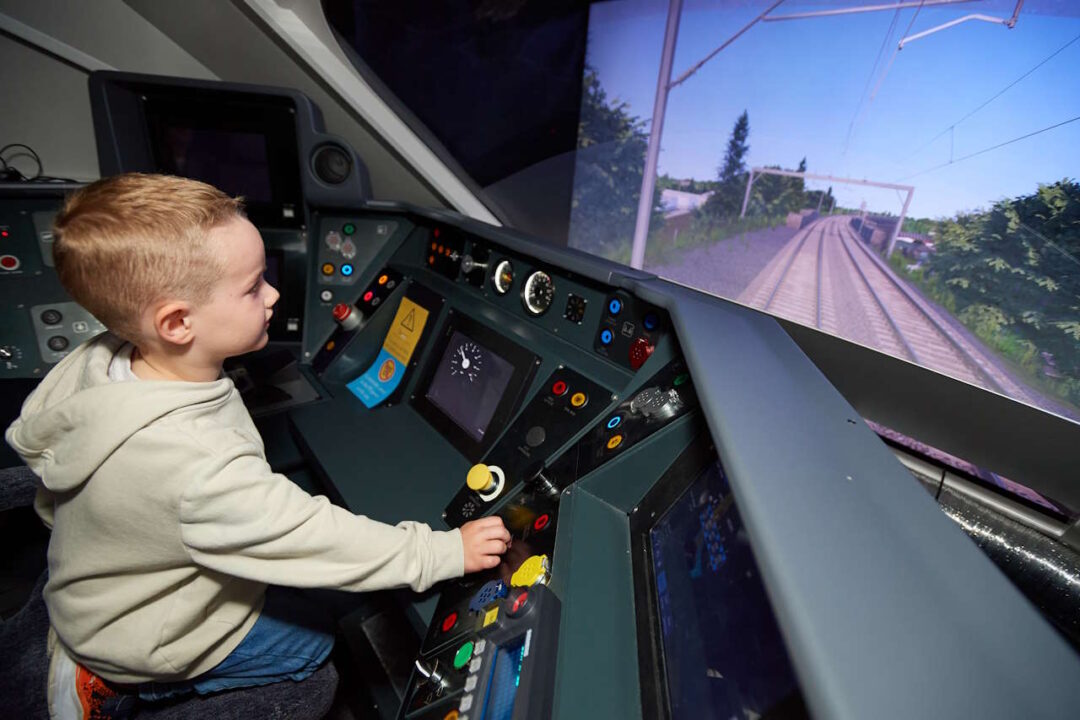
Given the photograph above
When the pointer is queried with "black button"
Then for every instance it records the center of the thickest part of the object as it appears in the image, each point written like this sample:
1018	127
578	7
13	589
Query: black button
57	343
51	317
535	436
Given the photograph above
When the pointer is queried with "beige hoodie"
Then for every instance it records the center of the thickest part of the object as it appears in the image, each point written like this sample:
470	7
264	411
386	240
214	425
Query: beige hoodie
167	522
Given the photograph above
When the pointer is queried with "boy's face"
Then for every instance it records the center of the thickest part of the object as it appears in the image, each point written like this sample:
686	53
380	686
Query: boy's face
236	318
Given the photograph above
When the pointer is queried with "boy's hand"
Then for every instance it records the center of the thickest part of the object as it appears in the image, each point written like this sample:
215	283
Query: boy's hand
484	540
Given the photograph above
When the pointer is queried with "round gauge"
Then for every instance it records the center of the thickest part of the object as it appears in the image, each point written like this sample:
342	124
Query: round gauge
503	277
538	293
467	361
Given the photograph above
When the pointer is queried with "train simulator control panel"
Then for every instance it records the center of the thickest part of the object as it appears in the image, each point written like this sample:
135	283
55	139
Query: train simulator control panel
662	458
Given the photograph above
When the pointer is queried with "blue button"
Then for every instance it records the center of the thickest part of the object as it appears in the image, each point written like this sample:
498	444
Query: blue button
614	422
606	337
615	306
346	269
651	321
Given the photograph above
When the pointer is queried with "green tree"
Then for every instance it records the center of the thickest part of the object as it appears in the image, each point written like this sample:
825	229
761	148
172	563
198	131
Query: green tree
731	175
608	168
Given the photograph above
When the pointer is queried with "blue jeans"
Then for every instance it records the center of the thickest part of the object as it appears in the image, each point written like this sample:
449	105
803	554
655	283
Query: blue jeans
289	641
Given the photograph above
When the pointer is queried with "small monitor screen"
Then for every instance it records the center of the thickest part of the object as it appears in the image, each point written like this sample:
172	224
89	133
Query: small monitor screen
469	383
505	678
722	650
232	161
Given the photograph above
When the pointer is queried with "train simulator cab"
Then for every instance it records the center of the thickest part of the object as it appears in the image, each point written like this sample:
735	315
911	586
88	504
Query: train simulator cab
772	439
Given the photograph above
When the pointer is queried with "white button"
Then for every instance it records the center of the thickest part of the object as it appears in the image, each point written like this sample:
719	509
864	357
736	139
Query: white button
333	240
474	666
470	683
326	296
478	648
466	703
348	249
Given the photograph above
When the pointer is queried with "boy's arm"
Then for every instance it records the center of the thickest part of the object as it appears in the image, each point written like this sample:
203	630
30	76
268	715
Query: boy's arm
239	517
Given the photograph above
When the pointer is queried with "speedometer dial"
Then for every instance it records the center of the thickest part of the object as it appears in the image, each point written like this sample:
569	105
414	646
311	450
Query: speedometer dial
538	293
503	277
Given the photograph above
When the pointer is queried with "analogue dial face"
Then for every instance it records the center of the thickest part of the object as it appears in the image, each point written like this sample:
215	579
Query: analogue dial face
467	362
503	277
538	293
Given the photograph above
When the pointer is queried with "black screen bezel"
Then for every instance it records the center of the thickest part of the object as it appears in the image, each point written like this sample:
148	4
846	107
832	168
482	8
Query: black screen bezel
523	361
698	456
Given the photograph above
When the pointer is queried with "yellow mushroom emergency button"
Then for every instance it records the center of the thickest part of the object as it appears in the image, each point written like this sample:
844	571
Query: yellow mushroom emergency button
534	571
479	478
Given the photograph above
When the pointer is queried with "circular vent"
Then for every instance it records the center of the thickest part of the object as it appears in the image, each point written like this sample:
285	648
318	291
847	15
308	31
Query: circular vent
332	164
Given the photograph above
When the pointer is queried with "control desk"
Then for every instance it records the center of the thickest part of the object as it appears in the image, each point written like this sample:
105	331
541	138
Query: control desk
702	526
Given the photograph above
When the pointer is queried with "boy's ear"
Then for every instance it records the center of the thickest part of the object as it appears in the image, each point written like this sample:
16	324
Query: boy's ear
172	322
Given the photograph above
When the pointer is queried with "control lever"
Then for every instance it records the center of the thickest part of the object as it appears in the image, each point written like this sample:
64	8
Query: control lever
487	481
535	476
432	675
468	264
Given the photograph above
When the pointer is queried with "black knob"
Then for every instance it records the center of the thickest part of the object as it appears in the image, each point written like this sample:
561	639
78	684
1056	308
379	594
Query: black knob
51	317
57	343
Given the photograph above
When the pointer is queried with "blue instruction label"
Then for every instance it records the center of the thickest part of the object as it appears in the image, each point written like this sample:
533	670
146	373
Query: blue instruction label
380	380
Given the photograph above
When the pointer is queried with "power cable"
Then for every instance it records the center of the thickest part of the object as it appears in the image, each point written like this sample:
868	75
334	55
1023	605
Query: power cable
995	147
1001	92
897	50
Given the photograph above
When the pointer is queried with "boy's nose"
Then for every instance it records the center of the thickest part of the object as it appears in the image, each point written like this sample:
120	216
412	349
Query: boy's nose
273	297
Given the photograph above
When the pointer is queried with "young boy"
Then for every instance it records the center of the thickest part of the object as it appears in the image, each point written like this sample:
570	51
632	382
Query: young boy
168	525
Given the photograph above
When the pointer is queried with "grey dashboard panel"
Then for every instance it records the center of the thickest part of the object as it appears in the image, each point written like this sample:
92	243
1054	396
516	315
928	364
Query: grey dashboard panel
889	610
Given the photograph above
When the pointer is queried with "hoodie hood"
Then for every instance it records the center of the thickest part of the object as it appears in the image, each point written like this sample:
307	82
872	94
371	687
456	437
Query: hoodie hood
77	416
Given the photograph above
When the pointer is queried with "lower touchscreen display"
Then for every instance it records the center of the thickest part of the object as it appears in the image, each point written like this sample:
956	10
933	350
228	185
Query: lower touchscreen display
469	383
722	650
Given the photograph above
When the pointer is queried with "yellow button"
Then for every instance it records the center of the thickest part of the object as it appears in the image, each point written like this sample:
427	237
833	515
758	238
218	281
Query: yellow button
479	478
579	399
328	269
531	572
383	279
491	616
614	441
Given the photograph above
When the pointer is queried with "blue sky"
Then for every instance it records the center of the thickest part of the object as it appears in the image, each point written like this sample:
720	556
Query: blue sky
802	81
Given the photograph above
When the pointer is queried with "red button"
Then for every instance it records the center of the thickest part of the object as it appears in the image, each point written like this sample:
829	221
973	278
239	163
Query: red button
640	350
559	388
519	603
341	311
541	522
449	622
368	295
9	262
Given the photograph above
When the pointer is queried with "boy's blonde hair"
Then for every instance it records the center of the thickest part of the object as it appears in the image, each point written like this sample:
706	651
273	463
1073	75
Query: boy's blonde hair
128	241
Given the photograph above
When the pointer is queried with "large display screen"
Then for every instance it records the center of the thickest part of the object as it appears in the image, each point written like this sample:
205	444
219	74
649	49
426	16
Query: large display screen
469	383
722	650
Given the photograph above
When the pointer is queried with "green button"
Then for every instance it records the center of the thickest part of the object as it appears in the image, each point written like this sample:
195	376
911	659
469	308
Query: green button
463	655
349	228
681	379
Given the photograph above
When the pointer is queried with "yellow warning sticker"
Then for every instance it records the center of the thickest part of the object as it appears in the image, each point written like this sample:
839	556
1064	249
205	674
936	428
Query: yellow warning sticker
491	616
405	331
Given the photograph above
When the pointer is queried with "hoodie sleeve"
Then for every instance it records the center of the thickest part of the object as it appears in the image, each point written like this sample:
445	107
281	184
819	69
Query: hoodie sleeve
239	517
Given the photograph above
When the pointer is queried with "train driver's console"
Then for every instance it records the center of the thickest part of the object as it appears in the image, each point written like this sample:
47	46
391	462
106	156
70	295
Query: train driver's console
670	466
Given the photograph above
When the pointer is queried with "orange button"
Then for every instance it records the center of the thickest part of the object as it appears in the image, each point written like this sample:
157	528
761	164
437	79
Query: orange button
328	269
383	279
579	399
614	441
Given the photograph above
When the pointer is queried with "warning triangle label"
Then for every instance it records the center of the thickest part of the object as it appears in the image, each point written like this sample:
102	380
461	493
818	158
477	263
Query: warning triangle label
410	320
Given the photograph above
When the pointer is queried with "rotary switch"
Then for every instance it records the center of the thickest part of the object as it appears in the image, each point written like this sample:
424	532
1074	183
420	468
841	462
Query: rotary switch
656	403
534	571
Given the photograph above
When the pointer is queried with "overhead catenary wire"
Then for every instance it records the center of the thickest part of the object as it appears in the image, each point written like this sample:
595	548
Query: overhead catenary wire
892	58
993	147
869	77
995	96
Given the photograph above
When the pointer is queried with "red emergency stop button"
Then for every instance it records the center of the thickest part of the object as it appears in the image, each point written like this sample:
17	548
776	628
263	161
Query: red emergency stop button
341	311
